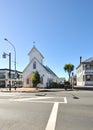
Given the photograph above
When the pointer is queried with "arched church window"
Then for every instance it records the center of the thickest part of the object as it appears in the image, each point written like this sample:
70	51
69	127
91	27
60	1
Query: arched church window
34	65
41	80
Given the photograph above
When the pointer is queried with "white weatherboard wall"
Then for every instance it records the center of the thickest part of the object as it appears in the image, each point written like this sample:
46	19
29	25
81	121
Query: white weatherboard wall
80	76
45	73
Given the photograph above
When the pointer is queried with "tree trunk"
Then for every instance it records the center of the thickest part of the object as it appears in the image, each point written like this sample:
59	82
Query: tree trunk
69	77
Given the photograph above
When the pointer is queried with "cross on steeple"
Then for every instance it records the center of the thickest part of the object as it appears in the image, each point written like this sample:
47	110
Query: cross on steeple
34	43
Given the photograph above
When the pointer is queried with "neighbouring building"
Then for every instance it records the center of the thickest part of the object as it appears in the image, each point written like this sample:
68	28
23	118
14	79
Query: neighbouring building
4	78
85	72
36	64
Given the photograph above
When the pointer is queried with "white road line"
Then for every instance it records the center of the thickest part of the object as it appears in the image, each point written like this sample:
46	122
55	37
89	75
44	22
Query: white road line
53	116
65	100
7	94
52	119
28	99
45	102
39	99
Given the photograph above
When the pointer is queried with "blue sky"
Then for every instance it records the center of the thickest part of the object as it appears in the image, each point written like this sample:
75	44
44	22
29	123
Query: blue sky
62	30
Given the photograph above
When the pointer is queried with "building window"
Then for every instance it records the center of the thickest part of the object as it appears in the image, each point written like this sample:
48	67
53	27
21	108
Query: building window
2	75
34	65
83	78
91	67
12	76
41	80
2	83
27	81
87	77
87	67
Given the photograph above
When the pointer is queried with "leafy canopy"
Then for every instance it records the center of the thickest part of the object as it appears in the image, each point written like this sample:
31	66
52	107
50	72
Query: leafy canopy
69	68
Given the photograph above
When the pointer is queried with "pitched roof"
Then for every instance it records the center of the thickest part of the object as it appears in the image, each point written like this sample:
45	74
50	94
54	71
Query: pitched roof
45	67
88	60
34	48
49	70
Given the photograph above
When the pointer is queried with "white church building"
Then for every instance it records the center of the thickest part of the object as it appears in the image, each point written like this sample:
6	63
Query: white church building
36	64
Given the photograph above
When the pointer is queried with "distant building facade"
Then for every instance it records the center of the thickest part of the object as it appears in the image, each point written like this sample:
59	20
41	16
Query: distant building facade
36	64
4	78
85	72
61	80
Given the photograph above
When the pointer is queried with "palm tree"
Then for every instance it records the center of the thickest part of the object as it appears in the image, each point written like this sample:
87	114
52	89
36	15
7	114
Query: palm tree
69	68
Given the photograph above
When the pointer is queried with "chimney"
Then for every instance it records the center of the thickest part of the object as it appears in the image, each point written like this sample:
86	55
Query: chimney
80	60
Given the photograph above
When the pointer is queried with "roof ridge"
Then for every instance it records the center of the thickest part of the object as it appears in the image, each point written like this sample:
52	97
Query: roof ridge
34	47
89	59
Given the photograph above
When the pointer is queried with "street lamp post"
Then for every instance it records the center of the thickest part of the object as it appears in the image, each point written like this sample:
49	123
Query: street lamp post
14	57
72	80
4	56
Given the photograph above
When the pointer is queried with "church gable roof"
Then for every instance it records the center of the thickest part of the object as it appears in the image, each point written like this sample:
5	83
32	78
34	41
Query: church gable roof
30	63
35	49
45	67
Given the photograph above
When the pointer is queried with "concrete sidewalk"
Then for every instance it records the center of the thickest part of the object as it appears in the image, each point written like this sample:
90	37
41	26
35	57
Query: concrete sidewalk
20	89
86	88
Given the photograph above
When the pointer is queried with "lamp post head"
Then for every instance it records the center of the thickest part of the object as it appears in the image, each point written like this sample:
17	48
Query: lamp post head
4	55
5	39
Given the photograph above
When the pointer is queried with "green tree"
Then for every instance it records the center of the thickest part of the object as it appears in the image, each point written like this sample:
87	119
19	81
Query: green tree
36	79
69	68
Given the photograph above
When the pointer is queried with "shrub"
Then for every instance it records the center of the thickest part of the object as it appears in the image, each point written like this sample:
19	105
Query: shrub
36	79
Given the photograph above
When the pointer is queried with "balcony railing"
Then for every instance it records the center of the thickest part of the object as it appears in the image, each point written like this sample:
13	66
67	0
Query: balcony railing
89	71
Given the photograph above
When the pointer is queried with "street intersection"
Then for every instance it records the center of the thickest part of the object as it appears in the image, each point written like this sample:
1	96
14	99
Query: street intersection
51	110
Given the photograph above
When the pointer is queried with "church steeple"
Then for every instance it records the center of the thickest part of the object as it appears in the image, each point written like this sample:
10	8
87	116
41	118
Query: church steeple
35	53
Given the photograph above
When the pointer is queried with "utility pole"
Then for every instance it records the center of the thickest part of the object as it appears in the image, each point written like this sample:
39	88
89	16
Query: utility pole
9	71
14	57
4	56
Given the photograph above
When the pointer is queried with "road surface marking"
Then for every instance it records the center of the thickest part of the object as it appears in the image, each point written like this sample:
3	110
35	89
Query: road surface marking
65	100
53	116
40	99
8	94
31	98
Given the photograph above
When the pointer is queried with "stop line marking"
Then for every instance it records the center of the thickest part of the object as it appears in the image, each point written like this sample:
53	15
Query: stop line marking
40	99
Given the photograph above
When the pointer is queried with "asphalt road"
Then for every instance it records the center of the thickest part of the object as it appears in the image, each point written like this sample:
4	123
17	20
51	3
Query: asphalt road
50	110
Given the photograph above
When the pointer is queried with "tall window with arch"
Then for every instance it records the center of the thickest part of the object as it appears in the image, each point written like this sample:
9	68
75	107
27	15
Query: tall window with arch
34	65
41	80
